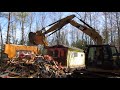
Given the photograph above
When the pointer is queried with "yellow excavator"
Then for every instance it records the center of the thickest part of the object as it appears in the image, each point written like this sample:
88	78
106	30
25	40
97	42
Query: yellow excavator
98	55
39	37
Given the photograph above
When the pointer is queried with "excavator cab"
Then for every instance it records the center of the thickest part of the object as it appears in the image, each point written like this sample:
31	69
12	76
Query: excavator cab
102	56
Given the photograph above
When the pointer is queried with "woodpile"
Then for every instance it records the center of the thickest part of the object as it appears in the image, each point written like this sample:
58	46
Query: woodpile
32	66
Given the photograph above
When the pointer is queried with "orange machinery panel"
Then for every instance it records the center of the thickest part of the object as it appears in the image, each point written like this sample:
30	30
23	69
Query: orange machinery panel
10	49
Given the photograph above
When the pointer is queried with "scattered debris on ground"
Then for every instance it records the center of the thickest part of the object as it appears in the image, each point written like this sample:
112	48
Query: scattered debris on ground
32	66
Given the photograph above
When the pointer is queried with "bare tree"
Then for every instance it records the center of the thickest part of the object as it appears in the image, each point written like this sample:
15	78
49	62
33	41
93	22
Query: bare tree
105	31
84	19
72	34
58	34
22	16
56	37
118	27
1	38
110	18
1	44
42	19
31	18
8	29
91	24
12	29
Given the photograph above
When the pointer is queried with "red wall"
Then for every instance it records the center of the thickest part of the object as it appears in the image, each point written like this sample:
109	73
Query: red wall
60	56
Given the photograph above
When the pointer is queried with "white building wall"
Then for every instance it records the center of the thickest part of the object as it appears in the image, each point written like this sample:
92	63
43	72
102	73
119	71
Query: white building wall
75	59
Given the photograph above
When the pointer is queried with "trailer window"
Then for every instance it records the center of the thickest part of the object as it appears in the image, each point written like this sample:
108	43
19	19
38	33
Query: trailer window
75	54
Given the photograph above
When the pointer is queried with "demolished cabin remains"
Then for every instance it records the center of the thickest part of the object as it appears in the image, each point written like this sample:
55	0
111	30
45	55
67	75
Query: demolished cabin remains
70	57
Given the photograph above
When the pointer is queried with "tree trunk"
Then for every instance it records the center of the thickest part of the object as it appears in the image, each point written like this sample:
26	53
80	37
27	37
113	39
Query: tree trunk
111	24
84	20
8	31
118	28
1	44
12	29
106	34
15	41
30	27
119	36
22	33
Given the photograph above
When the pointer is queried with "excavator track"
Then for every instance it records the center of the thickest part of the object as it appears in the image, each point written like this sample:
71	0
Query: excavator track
95	74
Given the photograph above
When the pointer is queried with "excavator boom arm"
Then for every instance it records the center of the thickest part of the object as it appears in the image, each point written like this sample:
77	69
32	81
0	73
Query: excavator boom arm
39	37
91	32
60	24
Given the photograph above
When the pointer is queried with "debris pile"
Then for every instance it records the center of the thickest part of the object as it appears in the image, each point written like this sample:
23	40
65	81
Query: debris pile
32	66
